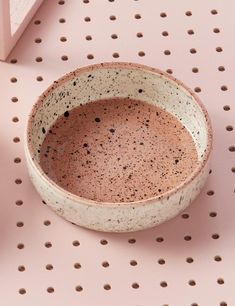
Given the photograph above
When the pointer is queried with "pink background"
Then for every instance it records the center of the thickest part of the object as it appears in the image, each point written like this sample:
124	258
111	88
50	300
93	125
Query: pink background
148	273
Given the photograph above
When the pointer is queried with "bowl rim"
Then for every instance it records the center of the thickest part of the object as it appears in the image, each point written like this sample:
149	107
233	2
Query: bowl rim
121	65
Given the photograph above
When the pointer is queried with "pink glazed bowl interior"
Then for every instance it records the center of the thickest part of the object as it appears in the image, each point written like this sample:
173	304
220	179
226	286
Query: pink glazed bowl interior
118	146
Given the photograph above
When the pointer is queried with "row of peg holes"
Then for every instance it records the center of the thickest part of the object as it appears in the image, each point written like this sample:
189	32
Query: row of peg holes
39	59
163	15
106	264
76	243
134	285
136	16
114	36
113	17
188	13
108	287
21	224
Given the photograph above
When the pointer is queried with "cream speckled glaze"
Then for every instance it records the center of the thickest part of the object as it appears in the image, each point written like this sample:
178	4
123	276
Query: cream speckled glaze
119	80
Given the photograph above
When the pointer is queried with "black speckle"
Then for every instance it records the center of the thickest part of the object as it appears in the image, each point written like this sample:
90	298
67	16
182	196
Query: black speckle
39	151
130	176
159	190
88	152
112	131
85	145
141	143
89	76
97	119
79	176
124	168
43	130
66	114
176	161
74	83
140	90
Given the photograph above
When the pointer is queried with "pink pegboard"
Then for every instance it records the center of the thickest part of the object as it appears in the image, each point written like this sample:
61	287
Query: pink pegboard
188	261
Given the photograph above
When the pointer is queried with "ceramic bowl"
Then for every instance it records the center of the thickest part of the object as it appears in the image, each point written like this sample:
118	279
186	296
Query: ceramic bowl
120	80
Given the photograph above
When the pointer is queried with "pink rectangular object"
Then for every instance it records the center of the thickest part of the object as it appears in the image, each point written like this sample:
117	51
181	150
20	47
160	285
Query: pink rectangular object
14	17
188	261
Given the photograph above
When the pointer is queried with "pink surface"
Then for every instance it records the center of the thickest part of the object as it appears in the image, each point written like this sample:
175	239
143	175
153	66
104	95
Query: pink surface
211	237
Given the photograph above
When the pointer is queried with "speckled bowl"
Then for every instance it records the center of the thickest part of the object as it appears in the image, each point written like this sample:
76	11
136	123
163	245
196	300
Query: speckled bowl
119	80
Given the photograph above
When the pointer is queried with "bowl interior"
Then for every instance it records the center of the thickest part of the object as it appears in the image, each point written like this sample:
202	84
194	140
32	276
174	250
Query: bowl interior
120	81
